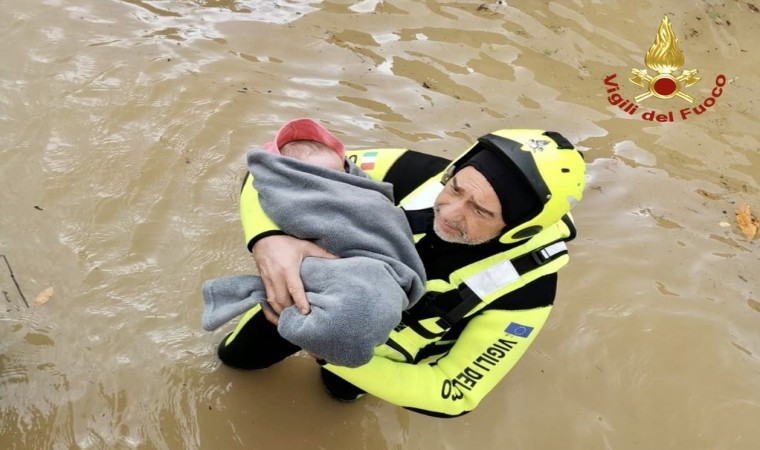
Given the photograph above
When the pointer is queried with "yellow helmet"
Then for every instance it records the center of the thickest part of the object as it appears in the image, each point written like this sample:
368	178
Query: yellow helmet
553	169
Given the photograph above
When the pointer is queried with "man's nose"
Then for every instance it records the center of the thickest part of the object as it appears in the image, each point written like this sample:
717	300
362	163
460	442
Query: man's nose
453	210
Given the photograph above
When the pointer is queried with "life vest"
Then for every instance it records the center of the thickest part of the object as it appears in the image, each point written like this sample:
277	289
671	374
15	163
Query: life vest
469	289
473	287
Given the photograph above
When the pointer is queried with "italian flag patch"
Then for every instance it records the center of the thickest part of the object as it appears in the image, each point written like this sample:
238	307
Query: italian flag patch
368	161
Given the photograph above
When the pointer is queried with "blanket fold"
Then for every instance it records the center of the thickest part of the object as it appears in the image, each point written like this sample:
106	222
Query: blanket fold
356	300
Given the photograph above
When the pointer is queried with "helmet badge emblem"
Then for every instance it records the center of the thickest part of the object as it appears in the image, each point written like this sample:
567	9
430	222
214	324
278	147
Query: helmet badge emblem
537	145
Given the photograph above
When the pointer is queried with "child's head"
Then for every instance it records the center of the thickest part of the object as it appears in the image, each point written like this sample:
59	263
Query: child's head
310	142
315	153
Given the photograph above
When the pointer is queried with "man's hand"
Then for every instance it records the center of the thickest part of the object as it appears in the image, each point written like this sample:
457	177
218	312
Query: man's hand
279	259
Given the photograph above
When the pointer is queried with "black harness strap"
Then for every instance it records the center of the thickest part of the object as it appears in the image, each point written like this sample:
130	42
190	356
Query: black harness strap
535	259
392	344
469	300
570	226
452	306
422	331
465	300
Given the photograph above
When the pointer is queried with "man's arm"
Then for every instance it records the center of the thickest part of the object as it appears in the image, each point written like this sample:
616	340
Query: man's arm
256	224
488	348
278	260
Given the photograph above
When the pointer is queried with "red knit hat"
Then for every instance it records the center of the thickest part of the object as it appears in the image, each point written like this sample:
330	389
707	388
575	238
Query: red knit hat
304	130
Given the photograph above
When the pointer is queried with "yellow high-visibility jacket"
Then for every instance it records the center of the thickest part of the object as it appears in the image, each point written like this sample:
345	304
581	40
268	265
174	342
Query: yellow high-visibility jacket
484	307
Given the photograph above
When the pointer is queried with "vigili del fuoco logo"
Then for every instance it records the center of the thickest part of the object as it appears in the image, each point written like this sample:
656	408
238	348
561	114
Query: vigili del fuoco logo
666	60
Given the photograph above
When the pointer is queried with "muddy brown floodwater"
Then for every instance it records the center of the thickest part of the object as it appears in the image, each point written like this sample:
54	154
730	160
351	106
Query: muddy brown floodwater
123	128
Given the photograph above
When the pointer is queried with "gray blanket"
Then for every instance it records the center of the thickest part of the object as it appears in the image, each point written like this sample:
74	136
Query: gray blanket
355	300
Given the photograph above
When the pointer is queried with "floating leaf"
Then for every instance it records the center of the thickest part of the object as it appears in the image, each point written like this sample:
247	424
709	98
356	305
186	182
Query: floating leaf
44	296
748	224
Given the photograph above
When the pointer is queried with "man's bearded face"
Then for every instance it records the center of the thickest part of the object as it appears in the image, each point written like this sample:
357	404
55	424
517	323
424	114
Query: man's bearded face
467	211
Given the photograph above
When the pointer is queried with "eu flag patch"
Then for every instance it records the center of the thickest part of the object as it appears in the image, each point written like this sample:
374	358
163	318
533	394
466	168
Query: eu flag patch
518	330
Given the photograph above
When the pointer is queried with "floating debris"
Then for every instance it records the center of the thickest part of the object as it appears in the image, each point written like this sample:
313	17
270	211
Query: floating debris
709	195
44	296
748	224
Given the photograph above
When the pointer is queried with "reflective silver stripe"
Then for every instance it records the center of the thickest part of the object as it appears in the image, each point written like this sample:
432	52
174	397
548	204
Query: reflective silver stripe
492	279
504	273
551	250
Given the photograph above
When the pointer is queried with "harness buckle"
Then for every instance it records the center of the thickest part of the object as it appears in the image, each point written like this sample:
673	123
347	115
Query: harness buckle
542	255
539	257
443	323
